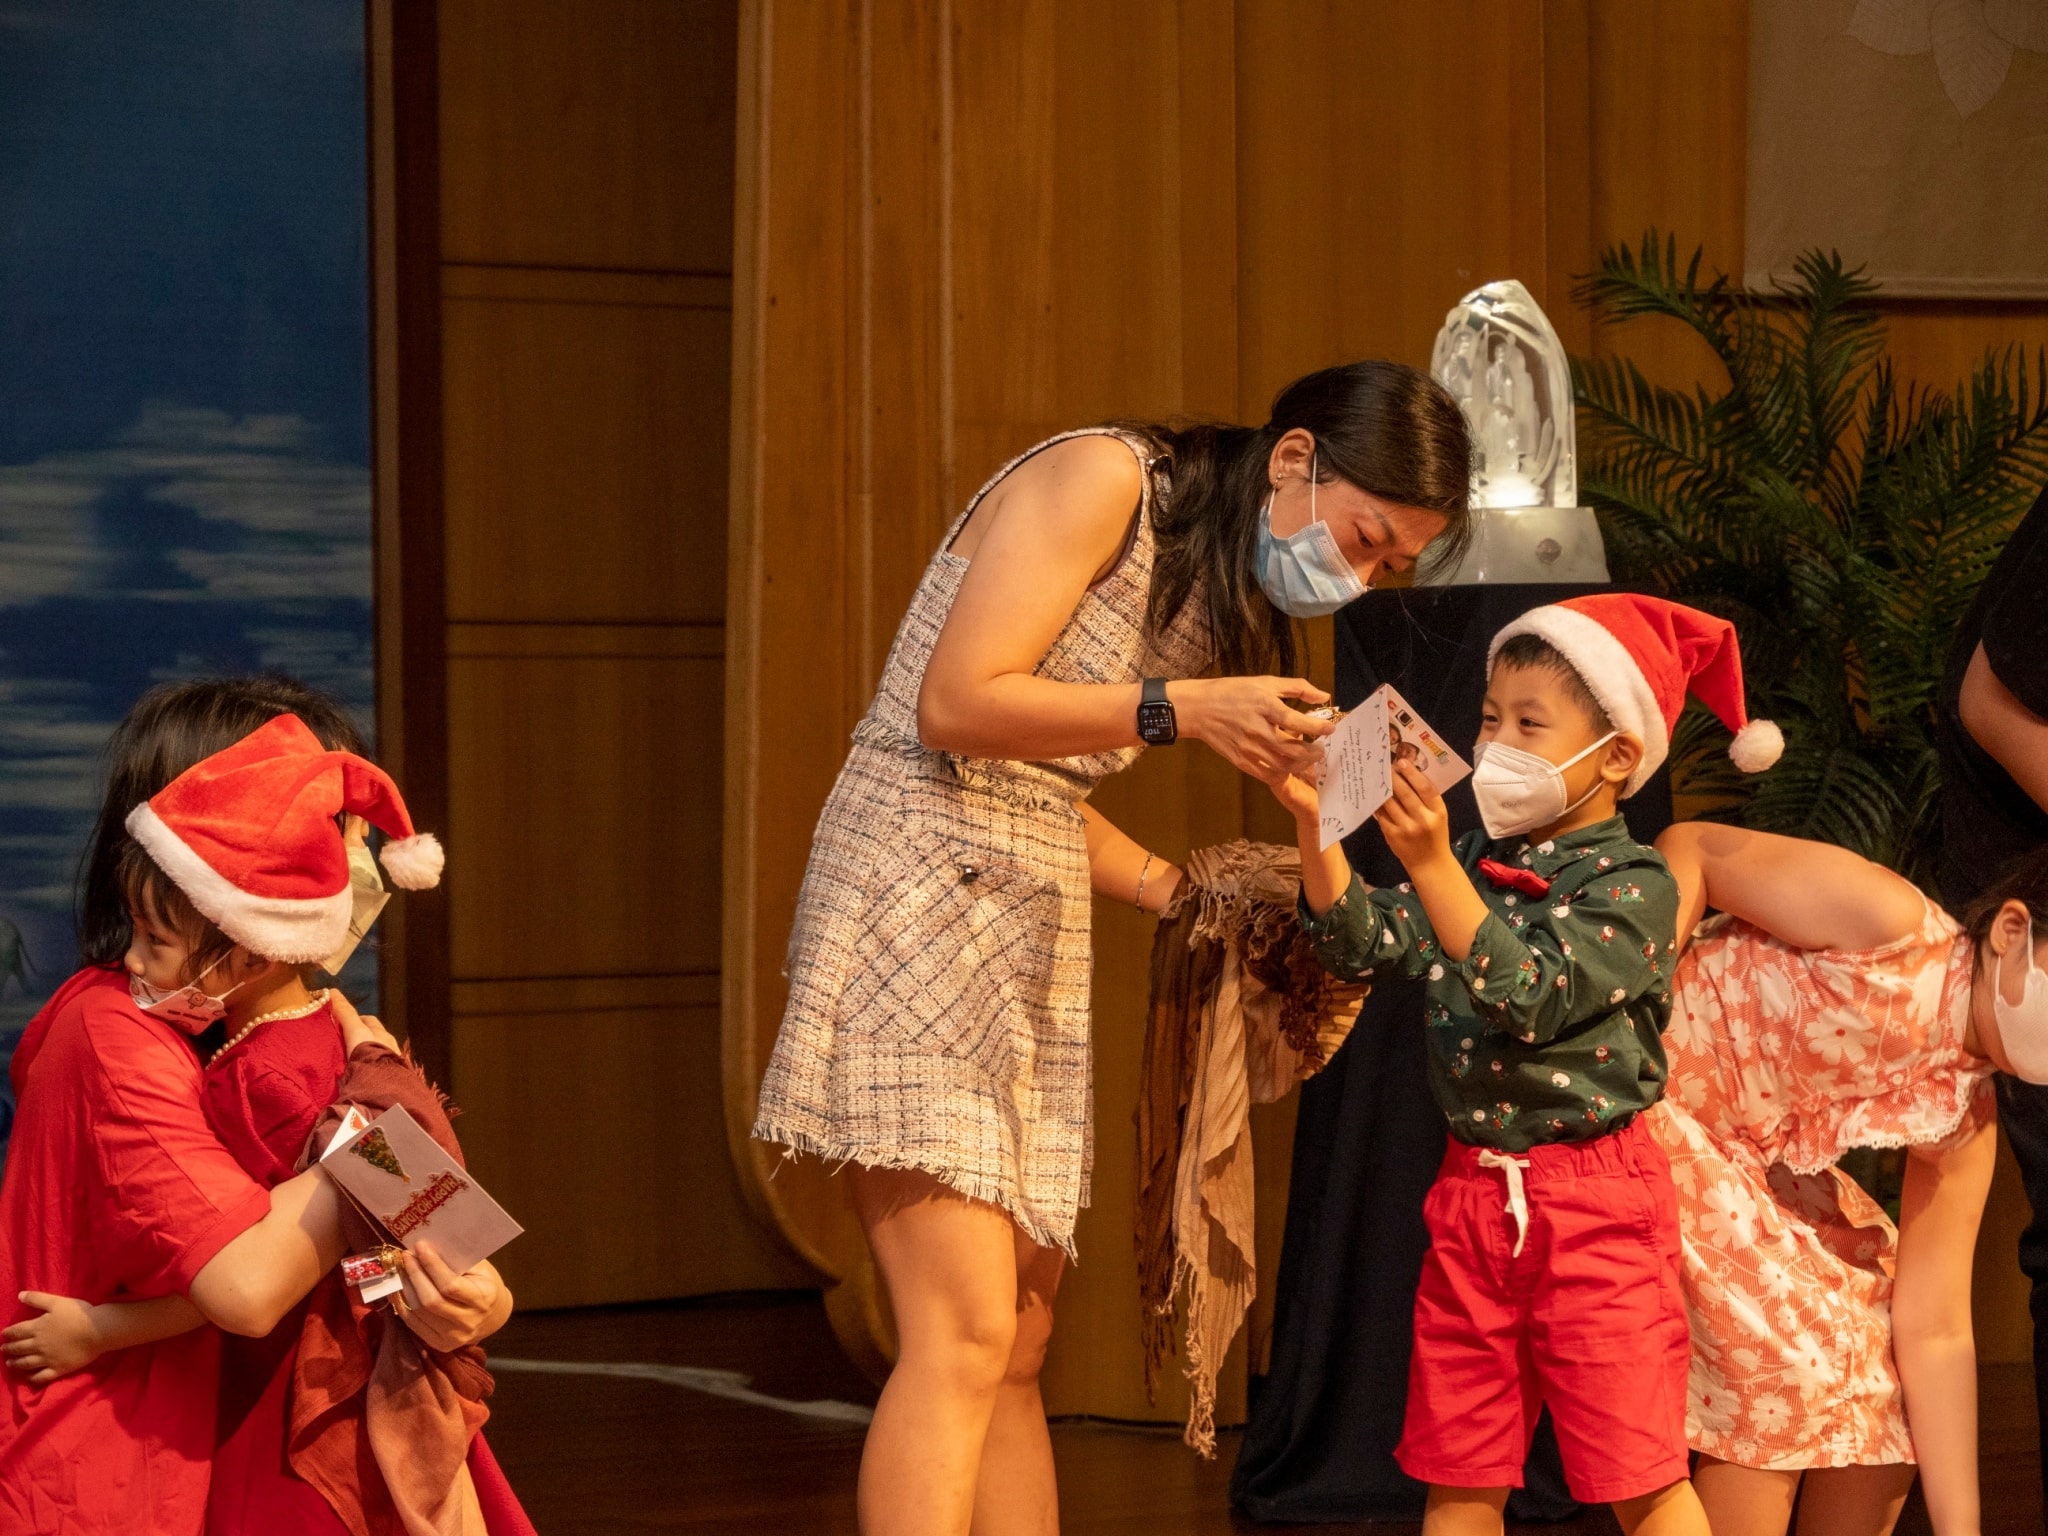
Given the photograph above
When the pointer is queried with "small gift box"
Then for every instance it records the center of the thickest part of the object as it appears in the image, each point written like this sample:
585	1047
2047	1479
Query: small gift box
375	1274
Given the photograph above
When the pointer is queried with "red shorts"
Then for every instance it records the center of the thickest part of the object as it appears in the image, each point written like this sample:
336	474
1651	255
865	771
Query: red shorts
1588	1319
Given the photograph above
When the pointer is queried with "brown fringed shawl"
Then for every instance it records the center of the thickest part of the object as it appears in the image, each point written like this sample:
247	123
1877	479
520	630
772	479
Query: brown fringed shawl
1240	1012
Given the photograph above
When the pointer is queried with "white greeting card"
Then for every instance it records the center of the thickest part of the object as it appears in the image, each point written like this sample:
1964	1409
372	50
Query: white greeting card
1359	758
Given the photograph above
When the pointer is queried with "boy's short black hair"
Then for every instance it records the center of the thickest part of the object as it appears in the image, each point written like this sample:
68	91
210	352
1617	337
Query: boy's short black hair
1535	652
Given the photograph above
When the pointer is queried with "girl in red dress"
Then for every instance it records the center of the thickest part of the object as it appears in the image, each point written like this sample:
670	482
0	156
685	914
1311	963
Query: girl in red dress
237	877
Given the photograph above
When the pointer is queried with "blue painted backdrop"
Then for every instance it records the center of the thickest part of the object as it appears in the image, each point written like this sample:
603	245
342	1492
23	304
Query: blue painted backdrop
184	390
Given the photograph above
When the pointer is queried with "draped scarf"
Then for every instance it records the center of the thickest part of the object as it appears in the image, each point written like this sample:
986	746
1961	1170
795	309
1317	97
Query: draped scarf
1240	1011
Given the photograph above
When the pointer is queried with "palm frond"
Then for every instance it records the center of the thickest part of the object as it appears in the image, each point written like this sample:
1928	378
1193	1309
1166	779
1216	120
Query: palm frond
1842	521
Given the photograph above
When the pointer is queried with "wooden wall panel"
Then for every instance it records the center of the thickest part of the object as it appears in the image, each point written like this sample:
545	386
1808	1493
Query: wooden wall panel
412	680
555	1093
1373	194
1669	91
586	789
584	298
586	450
588	133
950	277
795	632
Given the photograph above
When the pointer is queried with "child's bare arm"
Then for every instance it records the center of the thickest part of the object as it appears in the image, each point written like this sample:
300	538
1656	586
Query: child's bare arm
1940	1210
1811	895
71	1334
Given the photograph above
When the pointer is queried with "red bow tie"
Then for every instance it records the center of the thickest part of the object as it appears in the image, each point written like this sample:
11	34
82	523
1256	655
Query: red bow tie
1509	878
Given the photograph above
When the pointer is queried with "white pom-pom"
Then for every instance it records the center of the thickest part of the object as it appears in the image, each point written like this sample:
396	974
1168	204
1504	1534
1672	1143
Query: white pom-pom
414	863
1756	746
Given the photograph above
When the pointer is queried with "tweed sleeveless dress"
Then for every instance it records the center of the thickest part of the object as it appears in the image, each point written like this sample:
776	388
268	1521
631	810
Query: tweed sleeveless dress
939	966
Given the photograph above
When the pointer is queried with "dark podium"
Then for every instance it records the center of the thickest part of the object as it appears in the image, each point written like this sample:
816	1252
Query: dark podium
1325	1418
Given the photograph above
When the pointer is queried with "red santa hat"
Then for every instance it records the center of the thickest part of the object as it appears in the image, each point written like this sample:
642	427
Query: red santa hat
1638	656
250	836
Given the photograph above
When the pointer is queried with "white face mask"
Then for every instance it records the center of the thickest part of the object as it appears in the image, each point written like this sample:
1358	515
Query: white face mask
1518	791
2023	1026
367	898
188	1007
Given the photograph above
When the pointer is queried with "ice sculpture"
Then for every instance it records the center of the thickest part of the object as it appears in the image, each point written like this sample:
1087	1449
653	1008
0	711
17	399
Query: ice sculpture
1501	360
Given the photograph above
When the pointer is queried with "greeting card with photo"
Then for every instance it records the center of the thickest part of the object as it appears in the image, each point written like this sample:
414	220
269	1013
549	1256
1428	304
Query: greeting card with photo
1359	758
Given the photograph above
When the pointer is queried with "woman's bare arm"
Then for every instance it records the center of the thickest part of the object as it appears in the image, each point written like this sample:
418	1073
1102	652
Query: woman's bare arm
1811	895
1939	1212
1053	527
1116	862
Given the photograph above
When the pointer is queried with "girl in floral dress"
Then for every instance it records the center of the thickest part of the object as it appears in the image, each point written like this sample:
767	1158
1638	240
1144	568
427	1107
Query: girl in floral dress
1830	1005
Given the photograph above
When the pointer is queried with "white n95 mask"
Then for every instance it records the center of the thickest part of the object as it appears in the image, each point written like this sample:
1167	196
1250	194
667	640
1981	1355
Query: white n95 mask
1518	791
2023	1025
367	898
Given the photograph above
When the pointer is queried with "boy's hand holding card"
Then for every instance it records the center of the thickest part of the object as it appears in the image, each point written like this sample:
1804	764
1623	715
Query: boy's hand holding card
1359	759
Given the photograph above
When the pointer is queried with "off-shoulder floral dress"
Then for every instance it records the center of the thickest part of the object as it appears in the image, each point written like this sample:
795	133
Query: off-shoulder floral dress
1782	1059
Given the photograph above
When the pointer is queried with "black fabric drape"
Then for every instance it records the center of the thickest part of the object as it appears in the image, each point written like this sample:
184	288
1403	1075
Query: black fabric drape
1326	1416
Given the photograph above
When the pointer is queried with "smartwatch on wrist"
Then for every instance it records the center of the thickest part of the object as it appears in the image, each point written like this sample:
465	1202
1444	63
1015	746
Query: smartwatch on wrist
1156	724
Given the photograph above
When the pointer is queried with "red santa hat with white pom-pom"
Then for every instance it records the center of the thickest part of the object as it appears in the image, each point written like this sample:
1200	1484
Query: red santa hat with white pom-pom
251	837
1638	656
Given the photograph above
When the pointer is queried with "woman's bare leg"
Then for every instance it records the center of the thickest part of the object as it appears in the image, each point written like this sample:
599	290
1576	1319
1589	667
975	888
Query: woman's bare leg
1853	1501
1018	1494
950	1264
1745	1501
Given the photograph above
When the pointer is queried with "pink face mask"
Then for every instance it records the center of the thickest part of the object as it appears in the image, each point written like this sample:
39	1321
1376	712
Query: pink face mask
186	1007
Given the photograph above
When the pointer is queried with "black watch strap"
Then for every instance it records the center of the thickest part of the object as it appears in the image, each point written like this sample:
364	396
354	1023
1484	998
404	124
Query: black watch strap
1157	725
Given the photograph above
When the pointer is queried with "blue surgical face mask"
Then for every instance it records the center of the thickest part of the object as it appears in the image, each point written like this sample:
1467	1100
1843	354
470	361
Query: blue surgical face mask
1305	574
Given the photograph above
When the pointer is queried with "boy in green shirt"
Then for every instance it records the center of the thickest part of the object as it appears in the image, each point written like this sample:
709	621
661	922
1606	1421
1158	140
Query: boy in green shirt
1547	944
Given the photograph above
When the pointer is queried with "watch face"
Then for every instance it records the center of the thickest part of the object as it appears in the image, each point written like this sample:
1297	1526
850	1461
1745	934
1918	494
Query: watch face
1156	723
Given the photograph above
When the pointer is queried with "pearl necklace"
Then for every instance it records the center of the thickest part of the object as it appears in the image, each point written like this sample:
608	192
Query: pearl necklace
319	1001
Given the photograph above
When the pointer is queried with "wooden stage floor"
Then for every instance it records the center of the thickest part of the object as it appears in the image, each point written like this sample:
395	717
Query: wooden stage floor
600	1453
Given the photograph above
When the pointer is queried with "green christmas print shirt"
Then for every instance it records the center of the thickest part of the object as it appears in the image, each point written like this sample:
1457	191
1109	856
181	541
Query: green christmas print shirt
1551	1028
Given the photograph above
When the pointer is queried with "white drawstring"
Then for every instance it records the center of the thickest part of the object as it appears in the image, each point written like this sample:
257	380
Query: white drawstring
1518	1199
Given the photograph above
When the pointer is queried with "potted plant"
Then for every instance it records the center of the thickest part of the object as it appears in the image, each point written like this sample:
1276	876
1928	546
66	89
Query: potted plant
1841	518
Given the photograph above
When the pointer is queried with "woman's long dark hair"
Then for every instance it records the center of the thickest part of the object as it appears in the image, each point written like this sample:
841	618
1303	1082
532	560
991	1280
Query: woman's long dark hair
1386	428
172	727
